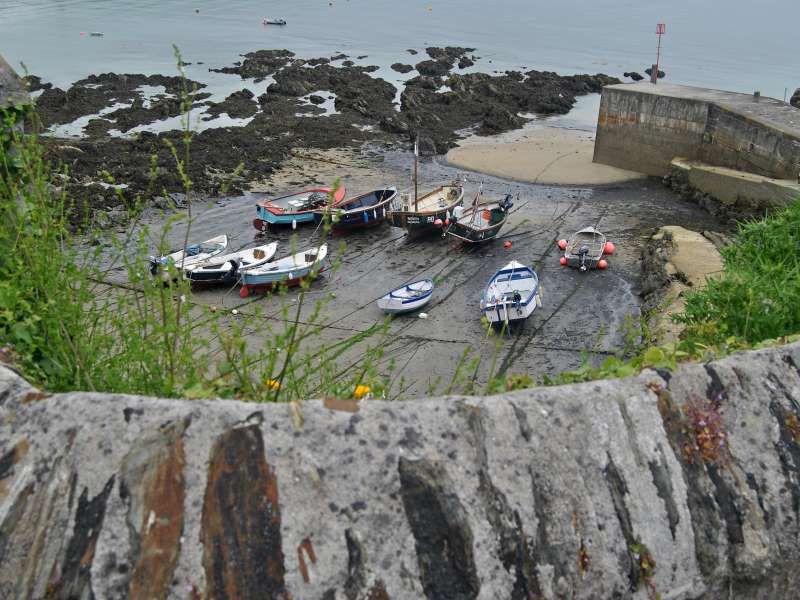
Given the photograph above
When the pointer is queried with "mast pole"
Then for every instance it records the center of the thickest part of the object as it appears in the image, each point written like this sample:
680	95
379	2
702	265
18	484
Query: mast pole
416	160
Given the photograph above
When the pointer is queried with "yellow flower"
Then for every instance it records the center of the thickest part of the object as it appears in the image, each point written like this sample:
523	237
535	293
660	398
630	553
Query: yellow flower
361	391
273	384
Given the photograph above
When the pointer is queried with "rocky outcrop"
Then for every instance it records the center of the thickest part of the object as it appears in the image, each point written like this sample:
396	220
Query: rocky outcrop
598	490
795	99
675	261
402	67
259	64
239	105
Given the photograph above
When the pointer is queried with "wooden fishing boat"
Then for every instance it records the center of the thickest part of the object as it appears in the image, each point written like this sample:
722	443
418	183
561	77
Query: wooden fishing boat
479	222
293	209
362	211
289	271
274	22
427	213
226	268
585	250
407	298
194	254
512	294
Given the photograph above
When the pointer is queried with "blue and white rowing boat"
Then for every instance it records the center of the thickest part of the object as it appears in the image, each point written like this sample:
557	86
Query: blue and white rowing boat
407	298
289	271
512	294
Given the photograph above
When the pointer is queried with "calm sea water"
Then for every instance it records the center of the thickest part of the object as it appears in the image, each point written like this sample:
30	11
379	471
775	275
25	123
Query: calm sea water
731	44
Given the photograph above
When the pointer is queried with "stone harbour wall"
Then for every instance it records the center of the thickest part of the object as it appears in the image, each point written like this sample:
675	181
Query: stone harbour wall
642	127
581	491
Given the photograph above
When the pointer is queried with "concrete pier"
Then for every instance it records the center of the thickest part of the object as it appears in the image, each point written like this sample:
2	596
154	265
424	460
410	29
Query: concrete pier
642	127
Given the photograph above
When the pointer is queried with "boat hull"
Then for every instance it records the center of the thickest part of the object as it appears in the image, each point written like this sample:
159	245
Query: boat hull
265	219
471	235
212	277
496	314
353	221
419	223
262	288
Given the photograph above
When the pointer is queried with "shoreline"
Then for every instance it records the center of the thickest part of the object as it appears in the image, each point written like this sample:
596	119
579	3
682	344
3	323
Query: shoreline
544	156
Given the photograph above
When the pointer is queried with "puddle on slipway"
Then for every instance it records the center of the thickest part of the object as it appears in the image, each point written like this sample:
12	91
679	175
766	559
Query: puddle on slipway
581	313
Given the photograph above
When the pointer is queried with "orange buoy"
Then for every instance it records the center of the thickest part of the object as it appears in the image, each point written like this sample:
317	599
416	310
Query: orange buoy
609	248
244	292
487	215
438	222
507	244
563	261
447	221
602	264
562	244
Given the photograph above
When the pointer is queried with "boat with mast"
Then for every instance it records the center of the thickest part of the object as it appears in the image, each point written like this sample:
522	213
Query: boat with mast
430	212
480	222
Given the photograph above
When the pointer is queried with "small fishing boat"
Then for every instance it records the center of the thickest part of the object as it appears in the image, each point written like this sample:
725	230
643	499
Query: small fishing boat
366	210
194	254
512	294
97	34
585	250
293	209
289	271
274	22
407	298
479	222
226	268
427	213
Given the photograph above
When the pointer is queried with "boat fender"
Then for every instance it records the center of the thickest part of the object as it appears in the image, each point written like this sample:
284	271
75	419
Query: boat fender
563	261
609	248
438	222
602	264
447	221
374	214
365	217
294	223
562	244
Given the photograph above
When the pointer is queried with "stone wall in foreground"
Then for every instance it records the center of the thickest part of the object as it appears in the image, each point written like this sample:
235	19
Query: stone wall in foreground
554	493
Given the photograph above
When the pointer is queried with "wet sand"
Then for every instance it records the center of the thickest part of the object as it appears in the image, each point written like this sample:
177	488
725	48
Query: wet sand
582	312
547	155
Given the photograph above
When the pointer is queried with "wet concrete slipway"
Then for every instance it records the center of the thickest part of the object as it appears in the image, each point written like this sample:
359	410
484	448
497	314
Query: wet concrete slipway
582	313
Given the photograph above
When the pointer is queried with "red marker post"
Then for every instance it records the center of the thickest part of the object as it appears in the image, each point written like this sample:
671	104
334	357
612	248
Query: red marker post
661	29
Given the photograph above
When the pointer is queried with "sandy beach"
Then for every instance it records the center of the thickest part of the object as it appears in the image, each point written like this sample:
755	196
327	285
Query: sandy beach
550	155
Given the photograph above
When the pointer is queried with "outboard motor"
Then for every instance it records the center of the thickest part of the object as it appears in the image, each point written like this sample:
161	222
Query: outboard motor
153	265
582	252
507	203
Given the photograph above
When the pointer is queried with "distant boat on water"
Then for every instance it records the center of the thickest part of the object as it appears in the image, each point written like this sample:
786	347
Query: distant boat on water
274	22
